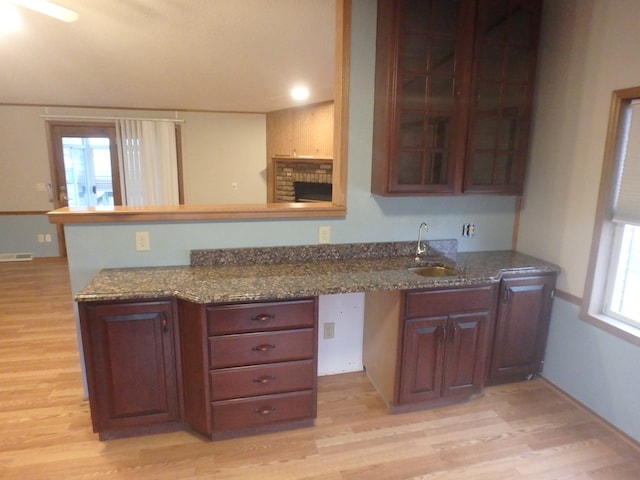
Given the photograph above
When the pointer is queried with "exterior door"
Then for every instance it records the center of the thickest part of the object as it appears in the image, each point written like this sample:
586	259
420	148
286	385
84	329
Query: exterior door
84	167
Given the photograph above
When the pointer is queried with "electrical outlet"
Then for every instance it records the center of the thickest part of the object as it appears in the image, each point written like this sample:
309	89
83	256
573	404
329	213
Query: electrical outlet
47	238
329	330
468	230
324	234
40	238
142	242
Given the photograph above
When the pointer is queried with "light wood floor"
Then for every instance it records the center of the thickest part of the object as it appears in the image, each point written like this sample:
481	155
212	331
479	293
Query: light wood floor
519	431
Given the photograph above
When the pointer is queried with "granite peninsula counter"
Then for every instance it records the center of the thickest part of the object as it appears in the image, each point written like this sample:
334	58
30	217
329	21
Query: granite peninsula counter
228	345
236	275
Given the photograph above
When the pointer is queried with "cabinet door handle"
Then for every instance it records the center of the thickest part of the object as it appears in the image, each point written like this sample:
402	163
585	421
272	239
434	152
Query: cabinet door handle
264	379
265	410
443	332
165	325
454	331
263	317
264	347
506	295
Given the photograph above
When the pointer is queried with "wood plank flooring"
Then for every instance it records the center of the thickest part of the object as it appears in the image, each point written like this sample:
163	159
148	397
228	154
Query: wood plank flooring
514	432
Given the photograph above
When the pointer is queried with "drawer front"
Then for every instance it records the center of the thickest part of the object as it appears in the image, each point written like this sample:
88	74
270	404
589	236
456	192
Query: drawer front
261	411
265	347
262	379
430	303
240	318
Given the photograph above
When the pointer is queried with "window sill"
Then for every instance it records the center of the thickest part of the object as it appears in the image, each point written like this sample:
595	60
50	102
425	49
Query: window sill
613	326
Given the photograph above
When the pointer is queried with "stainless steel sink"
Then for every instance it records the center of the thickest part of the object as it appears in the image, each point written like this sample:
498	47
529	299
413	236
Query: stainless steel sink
435	271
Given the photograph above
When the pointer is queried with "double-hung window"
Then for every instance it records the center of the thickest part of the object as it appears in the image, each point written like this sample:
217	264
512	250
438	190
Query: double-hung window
613	288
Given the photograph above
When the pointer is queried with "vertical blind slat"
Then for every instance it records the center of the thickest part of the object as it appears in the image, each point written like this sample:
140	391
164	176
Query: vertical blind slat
149	162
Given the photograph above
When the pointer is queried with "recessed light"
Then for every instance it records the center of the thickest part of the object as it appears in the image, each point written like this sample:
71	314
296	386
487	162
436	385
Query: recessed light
300	93
10	20
49	8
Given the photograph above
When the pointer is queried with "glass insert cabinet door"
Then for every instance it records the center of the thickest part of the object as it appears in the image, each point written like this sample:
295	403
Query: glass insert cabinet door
454	84
428	86
506	37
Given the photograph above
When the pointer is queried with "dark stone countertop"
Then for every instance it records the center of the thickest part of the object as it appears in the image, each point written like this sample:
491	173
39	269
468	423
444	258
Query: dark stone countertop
237	275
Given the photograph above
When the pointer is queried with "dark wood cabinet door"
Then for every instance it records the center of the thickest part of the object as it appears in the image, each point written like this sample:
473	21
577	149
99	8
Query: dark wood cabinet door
131	366
521	328
506	41
465	354
453	93
419	119
422	359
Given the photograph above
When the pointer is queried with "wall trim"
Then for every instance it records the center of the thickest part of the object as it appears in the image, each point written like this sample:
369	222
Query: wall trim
633	443
568	297
612	326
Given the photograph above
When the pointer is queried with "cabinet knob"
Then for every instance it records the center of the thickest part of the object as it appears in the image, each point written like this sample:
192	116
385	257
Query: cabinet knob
263	317
165	325
264	347
265	410
264	379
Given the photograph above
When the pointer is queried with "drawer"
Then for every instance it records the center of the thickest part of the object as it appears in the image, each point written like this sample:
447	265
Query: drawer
225	319
264	347
262	379
261	411
430	303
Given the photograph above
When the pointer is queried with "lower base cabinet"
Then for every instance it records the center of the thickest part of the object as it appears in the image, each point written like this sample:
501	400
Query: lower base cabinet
427	347
249	367
522	326
226	370
130	358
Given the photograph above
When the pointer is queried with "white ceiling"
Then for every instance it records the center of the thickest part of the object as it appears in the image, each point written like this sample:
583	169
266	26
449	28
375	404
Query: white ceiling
219	55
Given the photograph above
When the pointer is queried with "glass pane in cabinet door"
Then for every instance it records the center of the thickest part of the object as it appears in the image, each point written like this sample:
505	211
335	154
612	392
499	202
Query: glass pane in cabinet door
442	57
488	97
441	95
491	62
520	25
482	169
420	14
495	20
503	171
486	133
414	53
445	16
437	169
411	130
438	133
508	138
413	93
410	168
517	65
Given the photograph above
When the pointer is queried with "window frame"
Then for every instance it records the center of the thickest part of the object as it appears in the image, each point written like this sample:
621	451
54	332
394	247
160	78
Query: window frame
614	260
603	244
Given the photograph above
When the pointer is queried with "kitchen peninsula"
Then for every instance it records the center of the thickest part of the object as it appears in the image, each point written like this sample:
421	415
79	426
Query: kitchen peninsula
228	345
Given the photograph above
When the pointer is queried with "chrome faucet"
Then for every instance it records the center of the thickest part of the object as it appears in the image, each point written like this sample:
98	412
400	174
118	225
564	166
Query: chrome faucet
421	248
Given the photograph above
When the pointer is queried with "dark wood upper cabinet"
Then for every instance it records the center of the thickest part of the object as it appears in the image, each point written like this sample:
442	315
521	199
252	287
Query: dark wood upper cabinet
454	86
